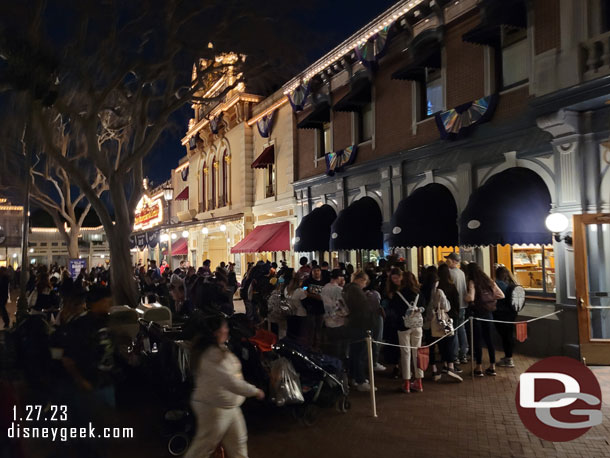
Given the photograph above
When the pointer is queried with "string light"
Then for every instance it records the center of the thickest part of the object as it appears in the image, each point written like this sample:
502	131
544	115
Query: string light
273	107
359	38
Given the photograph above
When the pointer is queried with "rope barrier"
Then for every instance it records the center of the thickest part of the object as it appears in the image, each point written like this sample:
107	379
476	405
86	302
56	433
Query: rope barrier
517	322
423	346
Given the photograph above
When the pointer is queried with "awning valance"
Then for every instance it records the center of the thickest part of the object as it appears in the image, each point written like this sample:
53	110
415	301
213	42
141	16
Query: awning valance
424	52
266	158
510	208
358	227
428	217
184	194
358	96
313	233
494	16
317	117
180	247
270	237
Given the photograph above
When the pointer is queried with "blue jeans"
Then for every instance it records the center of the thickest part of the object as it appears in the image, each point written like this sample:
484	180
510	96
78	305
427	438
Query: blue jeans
464	348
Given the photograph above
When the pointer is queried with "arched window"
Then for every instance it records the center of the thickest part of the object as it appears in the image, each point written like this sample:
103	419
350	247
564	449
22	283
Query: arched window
204	173
225	178
214	180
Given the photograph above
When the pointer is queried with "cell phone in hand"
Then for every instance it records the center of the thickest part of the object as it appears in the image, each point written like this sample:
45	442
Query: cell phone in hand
304	288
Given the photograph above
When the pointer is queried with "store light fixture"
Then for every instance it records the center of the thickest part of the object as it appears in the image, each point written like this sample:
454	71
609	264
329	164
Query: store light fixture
31	250
102	256
14	255
228	240
205	231
223	228
164	238
558	223
174	236
185	234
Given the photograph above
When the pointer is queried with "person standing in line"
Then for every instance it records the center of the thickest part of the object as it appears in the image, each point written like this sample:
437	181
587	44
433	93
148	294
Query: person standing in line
406	306
483	295
220	390
297	321
335	316
325	272
505	312
446	285
4	294
304	270
314	306
360	321
374	300
459	280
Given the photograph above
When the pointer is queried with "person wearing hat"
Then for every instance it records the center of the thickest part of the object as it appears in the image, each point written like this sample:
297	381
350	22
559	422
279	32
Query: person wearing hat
459	279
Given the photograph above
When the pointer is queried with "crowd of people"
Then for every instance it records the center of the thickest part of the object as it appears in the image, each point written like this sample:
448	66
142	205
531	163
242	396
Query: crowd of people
327	310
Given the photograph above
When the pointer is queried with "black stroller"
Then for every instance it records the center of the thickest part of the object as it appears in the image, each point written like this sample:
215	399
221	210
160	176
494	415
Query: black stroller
324	383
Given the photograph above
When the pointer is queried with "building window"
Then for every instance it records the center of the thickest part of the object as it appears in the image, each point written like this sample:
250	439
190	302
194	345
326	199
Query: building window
270	181
365	123
431	97
225	180
324	145
513	57
214	171
532	266
204	173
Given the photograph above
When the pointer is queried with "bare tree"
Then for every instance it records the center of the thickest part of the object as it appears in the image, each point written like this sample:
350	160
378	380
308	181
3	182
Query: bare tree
122	70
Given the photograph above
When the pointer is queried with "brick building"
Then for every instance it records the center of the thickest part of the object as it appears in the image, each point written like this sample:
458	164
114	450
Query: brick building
492	112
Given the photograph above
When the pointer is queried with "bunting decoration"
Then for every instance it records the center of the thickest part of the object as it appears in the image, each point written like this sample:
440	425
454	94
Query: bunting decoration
298	97
373	49
521	331
337	161
132	242
265	124
215	123
142	241
459	121
152	238
185	173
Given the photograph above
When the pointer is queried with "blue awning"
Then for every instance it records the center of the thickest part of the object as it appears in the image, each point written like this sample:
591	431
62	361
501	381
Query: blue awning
510	208
428	217
358	227
313	233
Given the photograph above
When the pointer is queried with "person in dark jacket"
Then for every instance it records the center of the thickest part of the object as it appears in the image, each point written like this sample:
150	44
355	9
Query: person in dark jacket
4	290
505	312
446	284
360	321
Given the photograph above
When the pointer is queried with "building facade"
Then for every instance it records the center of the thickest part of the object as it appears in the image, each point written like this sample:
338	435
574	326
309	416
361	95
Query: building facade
11	225
454	108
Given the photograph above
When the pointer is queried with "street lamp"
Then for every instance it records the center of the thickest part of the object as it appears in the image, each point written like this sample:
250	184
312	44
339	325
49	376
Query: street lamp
168	193
558	223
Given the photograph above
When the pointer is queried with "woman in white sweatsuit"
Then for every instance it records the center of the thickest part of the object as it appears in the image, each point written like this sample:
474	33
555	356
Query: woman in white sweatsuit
220	390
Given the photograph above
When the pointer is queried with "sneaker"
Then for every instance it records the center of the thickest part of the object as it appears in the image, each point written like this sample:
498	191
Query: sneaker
464	359
406	386
416	385
379	367
453	375
436	377
491	372
364	387
506	362
457	369
444	370
395	373
479	374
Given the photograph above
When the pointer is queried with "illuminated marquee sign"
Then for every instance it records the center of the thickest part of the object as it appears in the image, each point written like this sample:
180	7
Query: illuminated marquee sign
149	213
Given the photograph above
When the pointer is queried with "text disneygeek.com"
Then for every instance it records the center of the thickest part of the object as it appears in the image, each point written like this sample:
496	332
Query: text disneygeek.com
63	434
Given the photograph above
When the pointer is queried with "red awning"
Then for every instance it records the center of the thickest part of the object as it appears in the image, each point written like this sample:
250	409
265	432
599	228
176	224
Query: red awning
180	247
270	237
184	195
266	157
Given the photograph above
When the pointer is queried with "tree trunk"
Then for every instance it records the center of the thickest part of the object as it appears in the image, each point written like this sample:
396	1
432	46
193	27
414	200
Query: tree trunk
73	251
124	287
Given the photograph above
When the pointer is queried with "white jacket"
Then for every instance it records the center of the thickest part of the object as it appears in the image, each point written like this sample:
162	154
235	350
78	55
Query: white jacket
219	381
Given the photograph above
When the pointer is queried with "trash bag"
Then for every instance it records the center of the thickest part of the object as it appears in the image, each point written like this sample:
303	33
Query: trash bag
285	384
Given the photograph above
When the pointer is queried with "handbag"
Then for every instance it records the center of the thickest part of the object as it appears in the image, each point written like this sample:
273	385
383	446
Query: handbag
423	358
414	319
441	324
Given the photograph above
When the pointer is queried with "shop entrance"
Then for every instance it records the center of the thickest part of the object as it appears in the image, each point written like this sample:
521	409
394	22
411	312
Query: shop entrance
592	267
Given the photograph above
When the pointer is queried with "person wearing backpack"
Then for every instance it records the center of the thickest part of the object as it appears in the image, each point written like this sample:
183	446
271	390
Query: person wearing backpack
506	312
482	295
406	304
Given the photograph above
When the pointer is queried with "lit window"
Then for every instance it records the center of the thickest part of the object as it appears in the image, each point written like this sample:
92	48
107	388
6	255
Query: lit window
514	57
434	92
270	181
532	266
324	145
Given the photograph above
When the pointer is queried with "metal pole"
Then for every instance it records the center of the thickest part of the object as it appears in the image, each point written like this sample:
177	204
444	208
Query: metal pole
22	303
472	347
369	344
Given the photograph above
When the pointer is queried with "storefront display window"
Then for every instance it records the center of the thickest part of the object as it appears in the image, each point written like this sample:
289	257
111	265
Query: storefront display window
532	265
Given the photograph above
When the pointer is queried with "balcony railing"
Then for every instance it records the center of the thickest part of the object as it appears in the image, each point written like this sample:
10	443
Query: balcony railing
596	56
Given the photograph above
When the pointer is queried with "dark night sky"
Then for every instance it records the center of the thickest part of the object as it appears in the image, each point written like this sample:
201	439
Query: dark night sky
332	23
